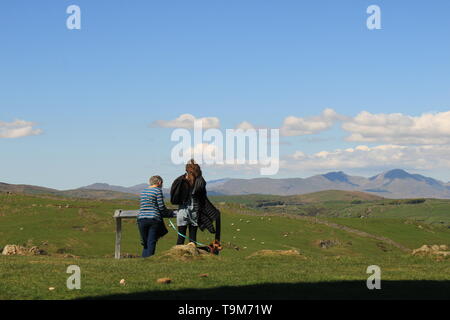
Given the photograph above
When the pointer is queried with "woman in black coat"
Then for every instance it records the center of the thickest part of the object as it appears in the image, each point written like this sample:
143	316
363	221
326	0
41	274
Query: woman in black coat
188	191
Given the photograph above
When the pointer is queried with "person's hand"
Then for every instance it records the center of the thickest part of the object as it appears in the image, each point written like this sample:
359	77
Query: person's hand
171	213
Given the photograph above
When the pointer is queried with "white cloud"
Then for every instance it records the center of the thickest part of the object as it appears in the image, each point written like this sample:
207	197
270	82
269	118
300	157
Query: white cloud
425	157
294	126
245	125
205	152
211	155
18	129
393	128
186	121
398	128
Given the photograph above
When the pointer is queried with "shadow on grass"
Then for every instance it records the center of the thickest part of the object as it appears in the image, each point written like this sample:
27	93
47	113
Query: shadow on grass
294	291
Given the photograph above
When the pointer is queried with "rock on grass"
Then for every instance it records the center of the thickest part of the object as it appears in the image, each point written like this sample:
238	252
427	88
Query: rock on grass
164	280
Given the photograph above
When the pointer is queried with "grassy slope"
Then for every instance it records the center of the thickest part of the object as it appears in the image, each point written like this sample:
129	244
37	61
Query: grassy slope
321	196
335	203
76	193
409	233
85	228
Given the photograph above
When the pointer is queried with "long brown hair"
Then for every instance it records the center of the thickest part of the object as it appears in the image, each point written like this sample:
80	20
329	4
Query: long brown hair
193	171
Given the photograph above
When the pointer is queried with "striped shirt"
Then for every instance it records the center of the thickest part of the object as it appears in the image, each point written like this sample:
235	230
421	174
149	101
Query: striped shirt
152	204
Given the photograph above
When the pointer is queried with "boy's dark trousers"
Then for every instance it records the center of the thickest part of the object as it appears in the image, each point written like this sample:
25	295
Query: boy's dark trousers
148	228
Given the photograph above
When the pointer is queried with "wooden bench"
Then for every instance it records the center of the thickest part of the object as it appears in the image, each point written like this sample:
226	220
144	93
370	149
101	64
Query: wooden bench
132	214
118	216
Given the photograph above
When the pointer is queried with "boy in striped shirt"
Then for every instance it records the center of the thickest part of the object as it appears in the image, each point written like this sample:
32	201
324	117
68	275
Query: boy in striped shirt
150	217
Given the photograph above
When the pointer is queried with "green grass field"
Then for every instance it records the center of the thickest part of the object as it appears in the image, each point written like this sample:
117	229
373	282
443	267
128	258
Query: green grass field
85	228
348	204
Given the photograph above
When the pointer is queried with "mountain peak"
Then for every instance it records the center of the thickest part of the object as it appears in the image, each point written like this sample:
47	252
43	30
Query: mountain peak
97	185
393	174
336	176
397	174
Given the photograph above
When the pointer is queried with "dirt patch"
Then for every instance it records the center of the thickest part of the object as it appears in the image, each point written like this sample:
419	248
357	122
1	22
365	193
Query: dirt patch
432	250
186	252
16	250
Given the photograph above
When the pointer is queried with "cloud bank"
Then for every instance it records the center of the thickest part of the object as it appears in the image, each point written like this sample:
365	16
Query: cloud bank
418	142
186	121
424	157
18	129
294	126
393	128
399	128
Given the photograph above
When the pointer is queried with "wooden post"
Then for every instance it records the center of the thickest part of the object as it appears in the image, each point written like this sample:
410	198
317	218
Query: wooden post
118	236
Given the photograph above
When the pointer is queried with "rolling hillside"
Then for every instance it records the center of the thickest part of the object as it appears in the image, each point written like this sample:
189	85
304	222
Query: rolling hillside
330	260
76	193
347	204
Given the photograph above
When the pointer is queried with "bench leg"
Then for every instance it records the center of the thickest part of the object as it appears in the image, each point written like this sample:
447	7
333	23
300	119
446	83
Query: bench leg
118	237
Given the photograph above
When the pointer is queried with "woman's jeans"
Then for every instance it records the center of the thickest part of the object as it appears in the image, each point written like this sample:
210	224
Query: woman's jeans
148	229
187	217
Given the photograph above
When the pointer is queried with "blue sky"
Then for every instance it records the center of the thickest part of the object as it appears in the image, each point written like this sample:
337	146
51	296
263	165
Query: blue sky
94	92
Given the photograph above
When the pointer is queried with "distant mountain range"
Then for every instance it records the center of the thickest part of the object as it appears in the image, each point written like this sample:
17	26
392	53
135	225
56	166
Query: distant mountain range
395	184
137	189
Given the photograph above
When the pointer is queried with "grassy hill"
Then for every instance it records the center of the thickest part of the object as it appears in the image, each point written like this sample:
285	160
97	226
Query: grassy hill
26	189
320	196
76	193
347	204
334	195
332	261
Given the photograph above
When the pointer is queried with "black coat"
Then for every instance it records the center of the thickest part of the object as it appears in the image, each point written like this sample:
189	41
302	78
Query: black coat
162	230
207	213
